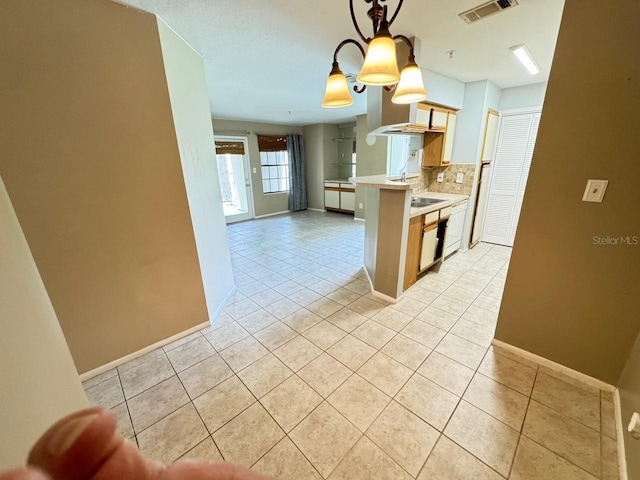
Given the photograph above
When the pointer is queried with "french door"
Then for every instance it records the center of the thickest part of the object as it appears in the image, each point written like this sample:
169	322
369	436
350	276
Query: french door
235	179
516	141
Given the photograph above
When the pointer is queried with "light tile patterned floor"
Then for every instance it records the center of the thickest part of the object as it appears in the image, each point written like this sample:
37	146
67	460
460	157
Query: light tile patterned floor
305	375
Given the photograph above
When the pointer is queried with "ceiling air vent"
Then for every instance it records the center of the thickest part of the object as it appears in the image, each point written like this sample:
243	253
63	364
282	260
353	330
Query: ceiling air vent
486	9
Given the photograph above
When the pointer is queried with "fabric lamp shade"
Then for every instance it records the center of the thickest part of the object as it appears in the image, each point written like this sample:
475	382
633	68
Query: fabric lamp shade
411	87
337	92
380	64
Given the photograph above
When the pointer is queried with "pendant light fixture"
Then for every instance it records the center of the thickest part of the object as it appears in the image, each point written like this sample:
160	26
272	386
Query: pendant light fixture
380	66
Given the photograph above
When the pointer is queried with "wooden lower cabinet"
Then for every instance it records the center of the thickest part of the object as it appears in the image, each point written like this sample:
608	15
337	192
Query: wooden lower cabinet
425	244
340	197
414	251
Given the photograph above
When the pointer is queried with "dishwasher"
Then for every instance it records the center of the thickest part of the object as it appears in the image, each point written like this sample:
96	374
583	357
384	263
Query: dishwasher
453	237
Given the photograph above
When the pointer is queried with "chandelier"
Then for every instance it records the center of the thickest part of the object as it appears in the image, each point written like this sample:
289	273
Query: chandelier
380	67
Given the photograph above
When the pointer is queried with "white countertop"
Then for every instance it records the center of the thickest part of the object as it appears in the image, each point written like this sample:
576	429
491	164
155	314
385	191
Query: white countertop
449	200
380	181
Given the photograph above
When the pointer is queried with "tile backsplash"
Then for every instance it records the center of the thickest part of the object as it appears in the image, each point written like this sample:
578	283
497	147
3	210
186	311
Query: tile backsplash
427	181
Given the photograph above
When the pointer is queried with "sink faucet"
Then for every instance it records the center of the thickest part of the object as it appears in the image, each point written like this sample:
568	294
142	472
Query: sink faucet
403	177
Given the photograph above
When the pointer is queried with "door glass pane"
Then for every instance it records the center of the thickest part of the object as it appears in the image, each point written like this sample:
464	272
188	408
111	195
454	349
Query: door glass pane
232	184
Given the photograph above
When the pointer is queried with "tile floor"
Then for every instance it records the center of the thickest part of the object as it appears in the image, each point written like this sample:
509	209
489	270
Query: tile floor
305	375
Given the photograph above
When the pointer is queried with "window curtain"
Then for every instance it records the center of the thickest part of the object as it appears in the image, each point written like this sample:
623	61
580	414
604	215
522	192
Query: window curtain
297	182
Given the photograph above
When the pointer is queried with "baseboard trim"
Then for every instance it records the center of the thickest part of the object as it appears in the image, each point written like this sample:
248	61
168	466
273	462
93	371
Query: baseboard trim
375	293
223	304
138	353
316	209
622	458
142	351
272	214
569	372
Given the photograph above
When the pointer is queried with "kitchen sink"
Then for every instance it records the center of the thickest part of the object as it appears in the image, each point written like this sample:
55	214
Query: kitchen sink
419	202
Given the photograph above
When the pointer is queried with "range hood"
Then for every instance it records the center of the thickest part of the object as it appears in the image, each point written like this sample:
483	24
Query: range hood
387	118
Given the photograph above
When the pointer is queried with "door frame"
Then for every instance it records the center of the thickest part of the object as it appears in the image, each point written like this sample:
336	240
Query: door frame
477	179
246	166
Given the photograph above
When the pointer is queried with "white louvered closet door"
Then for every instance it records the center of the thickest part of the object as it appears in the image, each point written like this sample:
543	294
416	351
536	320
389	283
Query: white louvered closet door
516	141
535	123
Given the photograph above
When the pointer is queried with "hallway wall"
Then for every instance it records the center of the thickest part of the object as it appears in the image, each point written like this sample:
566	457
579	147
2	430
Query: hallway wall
92	165
571	296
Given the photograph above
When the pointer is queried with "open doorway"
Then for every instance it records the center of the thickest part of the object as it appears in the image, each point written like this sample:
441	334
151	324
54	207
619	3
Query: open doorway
235	179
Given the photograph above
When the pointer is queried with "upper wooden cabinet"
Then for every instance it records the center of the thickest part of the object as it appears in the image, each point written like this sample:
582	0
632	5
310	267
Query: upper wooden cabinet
438	142
439	117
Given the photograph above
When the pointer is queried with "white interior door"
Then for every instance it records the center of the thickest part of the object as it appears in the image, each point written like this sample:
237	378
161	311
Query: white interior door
235	181
516	141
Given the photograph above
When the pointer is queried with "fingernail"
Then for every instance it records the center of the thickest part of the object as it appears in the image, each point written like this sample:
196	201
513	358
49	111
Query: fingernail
68	433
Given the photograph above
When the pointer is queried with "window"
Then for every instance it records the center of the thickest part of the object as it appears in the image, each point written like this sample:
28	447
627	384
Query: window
274	161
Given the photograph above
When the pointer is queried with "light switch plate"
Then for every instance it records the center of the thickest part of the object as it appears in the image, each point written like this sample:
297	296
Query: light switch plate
595	190
440	177
460	178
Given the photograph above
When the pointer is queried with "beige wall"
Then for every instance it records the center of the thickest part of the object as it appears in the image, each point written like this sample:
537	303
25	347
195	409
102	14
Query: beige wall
566	298
91	164
39	381
370	160
272	202
192	120
330	149
314	165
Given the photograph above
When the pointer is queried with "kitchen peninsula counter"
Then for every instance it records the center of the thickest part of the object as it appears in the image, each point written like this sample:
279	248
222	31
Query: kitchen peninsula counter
386	227
387	214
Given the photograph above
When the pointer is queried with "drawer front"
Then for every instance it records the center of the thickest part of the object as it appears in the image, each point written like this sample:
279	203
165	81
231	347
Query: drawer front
331	184
445	212
430	218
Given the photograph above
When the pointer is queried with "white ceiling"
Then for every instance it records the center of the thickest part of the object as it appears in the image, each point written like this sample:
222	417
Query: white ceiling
268	60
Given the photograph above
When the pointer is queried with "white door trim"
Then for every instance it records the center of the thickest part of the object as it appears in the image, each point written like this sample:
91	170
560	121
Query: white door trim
246	165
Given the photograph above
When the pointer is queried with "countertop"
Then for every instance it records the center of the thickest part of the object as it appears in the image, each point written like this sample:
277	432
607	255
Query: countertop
380	181
450	199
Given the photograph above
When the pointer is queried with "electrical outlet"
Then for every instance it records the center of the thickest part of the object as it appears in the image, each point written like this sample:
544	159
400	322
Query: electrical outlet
595	190
440	177
254	170
460	178
360	206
